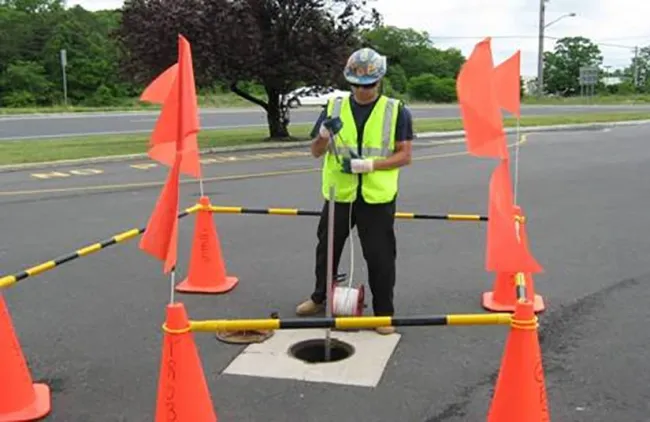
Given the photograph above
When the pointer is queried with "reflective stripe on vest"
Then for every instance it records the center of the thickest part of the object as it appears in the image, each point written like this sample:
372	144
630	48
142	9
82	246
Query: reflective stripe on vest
379	186
387	133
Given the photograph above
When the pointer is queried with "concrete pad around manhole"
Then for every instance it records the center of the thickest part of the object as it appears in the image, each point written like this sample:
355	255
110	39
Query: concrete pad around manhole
272	358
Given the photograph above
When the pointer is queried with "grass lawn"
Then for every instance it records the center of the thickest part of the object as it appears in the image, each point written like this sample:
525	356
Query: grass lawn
230	100
41	150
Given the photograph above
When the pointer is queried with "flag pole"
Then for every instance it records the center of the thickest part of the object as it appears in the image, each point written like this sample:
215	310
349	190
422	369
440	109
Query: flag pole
518	130
516	181
173	283
179	151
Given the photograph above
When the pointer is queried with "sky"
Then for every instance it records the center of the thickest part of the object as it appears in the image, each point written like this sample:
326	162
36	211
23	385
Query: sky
616	25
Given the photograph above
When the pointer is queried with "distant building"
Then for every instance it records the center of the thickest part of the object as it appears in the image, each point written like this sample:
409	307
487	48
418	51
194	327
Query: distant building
612	80
530	84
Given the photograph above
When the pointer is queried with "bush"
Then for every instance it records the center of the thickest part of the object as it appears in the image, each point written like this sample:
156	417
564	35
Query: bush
25	83
103	96
397	77
17	99
428	87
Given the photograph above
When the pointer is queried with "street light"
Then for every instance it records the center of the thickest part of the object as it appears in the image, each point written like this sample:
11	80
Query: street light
568	15
540	47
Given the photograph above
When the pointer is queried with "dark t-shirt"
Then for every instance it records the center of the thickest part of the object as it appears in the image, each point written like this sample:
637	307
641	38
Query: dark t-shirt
361	112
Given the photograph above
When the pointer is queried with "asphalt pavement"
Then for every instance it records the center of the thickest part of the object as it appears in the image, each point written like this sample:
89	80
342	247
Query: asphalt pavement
82	124
91	328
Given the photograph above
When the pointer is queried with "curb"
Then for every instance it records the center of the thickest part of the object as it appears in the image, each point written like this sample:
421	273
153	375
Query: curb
134	112
253	108
141	156
296	145
214	150
552	128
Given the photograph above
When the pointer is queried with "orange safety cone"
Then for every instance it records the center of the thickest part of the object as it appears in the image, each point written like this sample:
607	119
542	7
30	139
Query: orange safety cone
183	393
520	391
207	270
503	297
20	399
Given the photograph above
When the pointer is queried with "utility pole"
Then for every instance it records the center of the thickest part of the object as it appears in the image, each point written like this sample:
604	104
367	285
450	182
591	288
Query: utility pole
540	50
636	68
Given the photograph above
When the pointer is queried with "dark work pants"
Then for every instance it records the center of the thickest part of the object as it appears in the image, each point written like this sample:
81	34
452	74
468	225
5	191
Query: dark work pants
375	225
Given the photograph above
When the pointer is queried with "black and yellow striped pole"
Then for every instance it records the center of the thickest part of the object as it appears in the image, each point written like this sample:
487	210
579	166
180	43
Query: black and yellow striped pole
520	287
9	280
347	322
312	213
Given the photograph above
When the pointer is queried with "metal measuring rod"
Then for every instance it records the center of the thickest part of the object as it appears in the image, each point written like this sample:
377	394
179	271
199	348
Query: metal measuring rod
334	126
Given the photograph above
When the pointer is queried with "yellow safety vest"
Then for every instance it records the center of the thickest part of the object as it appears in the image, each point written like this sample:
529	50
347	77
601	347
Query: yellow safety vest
379	186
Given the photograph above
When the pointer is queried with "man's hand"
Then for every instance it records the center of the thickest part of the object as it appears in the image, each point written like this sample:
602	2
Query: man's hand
320	143
357	165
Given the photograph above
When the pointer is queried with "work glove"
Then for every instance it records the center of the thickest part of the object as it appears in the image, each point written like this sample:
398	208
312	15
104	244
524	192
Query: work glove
356	164
324	132
334	125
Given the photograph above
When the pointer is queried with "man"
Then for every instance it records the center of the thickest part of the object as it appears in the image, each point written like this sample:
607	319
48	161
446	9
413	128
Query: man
373	143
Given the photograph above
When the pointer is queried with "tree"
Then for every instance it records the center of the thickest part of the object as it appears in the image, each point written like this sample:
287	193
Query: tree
413	52
34	6
415	65
25	25
562	67
638	71
428	87
24	84
32	34
276	44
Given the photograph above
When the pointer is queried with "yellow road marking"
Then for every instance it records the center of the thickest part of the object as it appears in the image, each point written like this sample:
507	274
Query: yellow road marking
86	172
151	184
216	178
523	140
445	142
50	175
74	172
144	166
149	165
232	158
209	160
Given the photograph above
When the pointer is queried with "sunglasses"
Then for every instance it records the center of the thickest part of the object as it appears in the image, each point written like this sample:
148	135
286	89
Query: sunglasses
364	86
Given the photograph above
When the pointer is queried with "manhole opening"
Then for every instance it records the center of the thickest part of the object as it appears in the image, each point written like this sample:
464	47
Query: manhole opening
313	351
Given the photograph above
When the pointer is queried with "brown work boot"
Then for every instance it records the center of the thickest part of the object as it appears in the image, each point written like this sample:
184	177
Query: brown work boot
385	330
309	307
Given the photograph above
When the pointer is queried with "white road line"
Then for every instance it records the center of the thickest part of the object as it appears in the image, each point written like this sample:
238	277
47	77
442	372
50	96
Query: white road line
135	113
142	120
121	132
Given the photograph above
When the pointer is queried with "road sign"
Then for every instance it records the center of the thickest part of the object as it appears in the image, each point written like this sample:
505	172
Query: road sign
64	63
589	75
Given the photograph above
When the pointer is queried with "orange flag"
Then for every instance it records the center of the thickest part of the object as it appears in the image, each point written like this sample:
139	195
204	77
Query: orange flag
505	252
161	234
479	105
178	124
158	90
506	82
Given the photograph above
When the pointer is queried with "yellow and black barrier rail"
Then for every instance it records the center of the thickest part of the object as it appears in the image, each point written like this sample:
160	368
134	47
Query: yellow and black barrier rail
344	322
9	280
312	213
